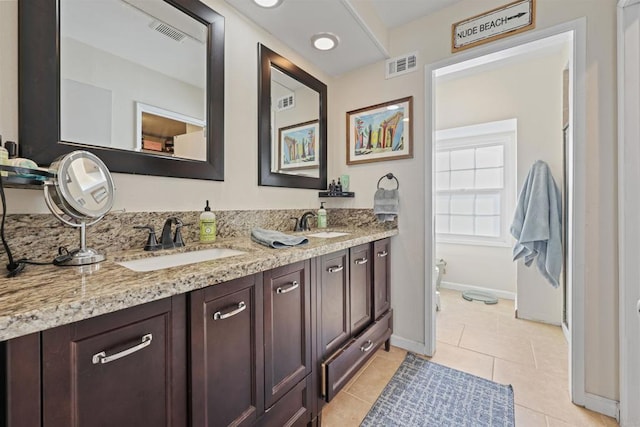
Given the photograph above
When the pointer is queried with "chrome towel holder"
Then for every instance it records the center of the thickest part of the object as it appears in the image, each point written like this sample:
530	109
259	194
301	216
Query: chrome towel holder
389	176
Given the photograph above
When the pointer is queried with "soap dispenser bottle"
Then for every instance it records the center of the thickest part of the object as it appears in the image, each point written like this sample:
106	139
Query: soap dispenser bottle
207	225
322	216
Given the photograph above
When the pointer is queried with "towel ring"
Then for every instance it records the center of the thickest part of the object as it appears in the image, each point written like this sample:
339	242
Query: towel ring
389	176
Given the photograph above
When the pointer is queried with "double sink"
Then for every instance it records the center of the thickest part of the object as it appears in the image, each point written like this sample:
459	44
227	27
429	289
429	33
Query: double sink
191	257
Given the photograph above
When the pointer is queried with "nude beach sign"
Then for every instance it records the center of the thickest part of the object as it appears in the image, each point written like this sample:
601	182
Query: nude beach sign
498	23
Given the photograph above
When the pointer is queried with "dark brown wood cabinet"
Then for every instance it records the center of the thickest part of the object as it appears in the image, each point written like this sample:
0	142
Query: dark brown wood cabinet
124	368
287	344
369	317
267	349
381	277
227	380
360	287
333	301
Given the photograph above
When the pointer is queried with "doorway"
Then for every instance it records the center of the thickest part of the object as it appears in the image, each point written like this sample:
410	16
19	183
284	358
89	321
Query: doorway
571	169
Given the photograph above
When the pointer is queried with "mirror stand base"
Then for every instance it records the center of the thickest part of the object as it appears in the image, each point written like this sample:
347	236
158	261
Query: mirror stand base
80	257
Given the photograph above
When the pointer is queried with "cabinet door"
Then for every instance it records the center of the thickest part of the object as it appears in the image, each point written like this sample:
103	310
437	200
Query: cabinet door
126	368
360	287
381	277
287	329
334	301
226	353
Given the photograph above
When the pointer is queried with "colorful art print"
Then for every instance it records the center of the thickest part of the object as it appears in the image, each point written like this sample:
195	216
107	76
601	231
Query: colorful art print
298	146
380	132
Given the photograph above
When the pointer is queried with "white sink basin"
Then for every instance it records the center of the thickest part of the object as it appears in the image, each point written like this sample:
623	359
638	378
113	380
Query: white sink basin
175	260
327	234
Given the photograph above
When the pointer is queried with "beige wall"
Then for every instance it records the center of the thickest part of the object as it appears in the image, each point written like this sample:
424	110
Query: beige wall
240	189
430	36
529	90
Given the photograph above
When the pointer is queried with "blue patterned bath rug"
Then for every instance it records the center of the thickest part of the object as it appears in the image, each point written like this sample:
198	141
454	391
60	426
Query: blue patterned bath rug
423	393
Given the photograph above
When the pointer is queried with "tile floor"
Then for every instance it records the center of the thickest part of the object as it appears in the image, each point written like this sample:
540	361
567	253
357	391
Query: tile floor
487	341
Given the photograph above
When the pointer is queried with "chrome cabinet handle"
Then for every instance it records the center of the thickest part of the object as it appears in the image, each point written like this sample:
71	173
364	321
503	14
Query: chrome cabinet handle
335	268
360	261
219	315
103	358
368	346
383	254
285	289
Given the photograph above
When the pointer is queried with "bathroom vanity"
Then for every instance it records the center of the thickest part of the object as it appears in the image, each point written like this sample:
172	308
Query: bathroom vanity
263	338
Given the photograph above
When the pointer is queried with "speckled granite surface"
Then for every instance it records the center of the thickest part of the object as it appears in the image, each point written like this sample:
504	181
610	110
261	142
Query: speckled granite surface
42	297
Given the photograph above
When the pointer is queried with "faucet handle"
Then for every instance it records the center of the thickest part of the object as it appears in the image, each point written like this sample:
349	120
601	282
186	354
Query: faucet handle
178	242
296	227
152	242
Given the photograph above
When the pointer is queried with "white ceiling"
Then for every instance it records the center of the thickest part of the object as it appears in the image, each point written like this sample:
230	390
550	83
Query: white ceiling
361	25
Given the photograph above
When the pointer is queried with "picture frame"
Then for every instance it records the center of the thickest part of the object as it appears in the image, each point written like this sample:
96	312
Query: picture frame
380	132
298	146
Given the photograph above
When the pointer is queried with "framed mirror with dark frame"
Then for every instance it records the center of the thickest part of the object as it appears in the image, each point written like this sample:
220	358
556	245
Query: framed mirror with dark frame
292	125
47	128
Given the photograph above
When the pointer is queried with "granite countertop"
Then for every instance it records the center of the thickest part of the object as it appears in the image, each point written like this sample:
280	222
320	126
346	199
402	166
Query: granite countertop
43	297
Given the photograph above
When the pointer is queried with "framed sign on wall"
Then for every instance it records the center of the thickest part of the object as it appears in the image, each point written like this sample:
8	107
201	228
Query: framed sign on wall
495	24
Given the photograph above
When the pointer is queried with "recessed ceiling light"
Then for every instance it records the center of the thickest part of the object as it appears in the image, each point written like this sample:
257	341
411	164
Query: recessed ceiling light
325	41
268	3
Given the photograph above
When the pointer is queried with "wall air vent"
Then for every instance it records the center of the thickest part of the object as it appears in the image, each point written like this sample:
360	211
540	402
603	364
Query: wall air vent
401	65
168	31
286	102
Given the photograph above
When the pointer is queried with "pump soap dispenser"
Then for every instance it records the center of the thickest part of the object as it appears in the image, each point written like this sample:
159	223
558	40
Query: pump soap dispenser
322	216
207	225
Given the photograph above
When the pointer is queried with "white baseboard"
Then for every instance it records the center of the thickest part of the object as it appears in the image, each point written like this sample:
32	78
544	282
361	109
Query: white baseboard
409	345
602	405
463	287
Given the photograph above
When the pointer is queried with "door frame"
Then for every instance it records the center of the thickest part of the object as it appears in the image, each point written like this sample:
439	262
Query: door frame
628	207
576	165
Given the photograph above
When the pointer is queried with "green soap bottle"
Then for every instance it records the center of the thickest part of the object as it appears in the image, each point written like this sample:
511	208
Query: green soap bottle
207	225
322	216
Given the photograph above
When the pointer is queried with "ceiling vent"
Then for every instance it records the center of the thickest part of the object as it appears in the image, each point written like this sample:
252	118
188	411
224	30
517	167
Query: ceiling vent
286	102
401	65
168	31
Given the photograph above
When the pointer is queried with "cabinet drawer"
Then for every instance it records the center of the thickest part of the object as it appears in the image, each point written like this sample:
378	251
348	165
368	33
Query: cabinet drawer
341	366
293	409
226	358
123	368
287	329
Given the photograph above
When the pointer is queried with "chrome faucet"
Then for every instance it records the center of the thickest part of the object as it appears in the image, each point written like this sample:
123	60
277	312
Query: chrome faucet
304	221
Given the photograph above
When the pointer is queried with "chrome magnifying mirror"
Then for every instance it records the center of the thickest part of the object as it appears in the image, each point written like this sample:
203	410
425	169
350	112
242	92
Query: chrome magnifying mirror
79	195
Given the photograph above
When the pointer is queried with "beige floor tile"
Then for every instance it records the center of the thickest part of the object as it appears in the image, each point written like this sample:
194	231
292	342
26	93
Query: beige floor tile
542	392
515	349
551	357
372	379
508	325
449	332
526	417
608	421
344	410
454	357
472	320
395	353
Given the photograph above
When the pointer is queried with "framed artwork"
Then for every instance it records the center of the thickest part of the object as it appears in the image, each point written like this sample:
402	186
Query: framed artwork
298	146
380	132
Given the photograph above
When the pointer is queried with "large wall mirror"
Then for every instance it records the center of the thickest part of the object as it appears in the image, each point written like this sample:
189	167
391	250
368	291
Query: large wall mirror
292	127
139	83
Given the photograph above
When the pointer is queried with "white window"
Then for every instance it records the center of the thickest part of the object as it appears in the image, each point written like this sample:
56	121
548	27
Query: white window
475	183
